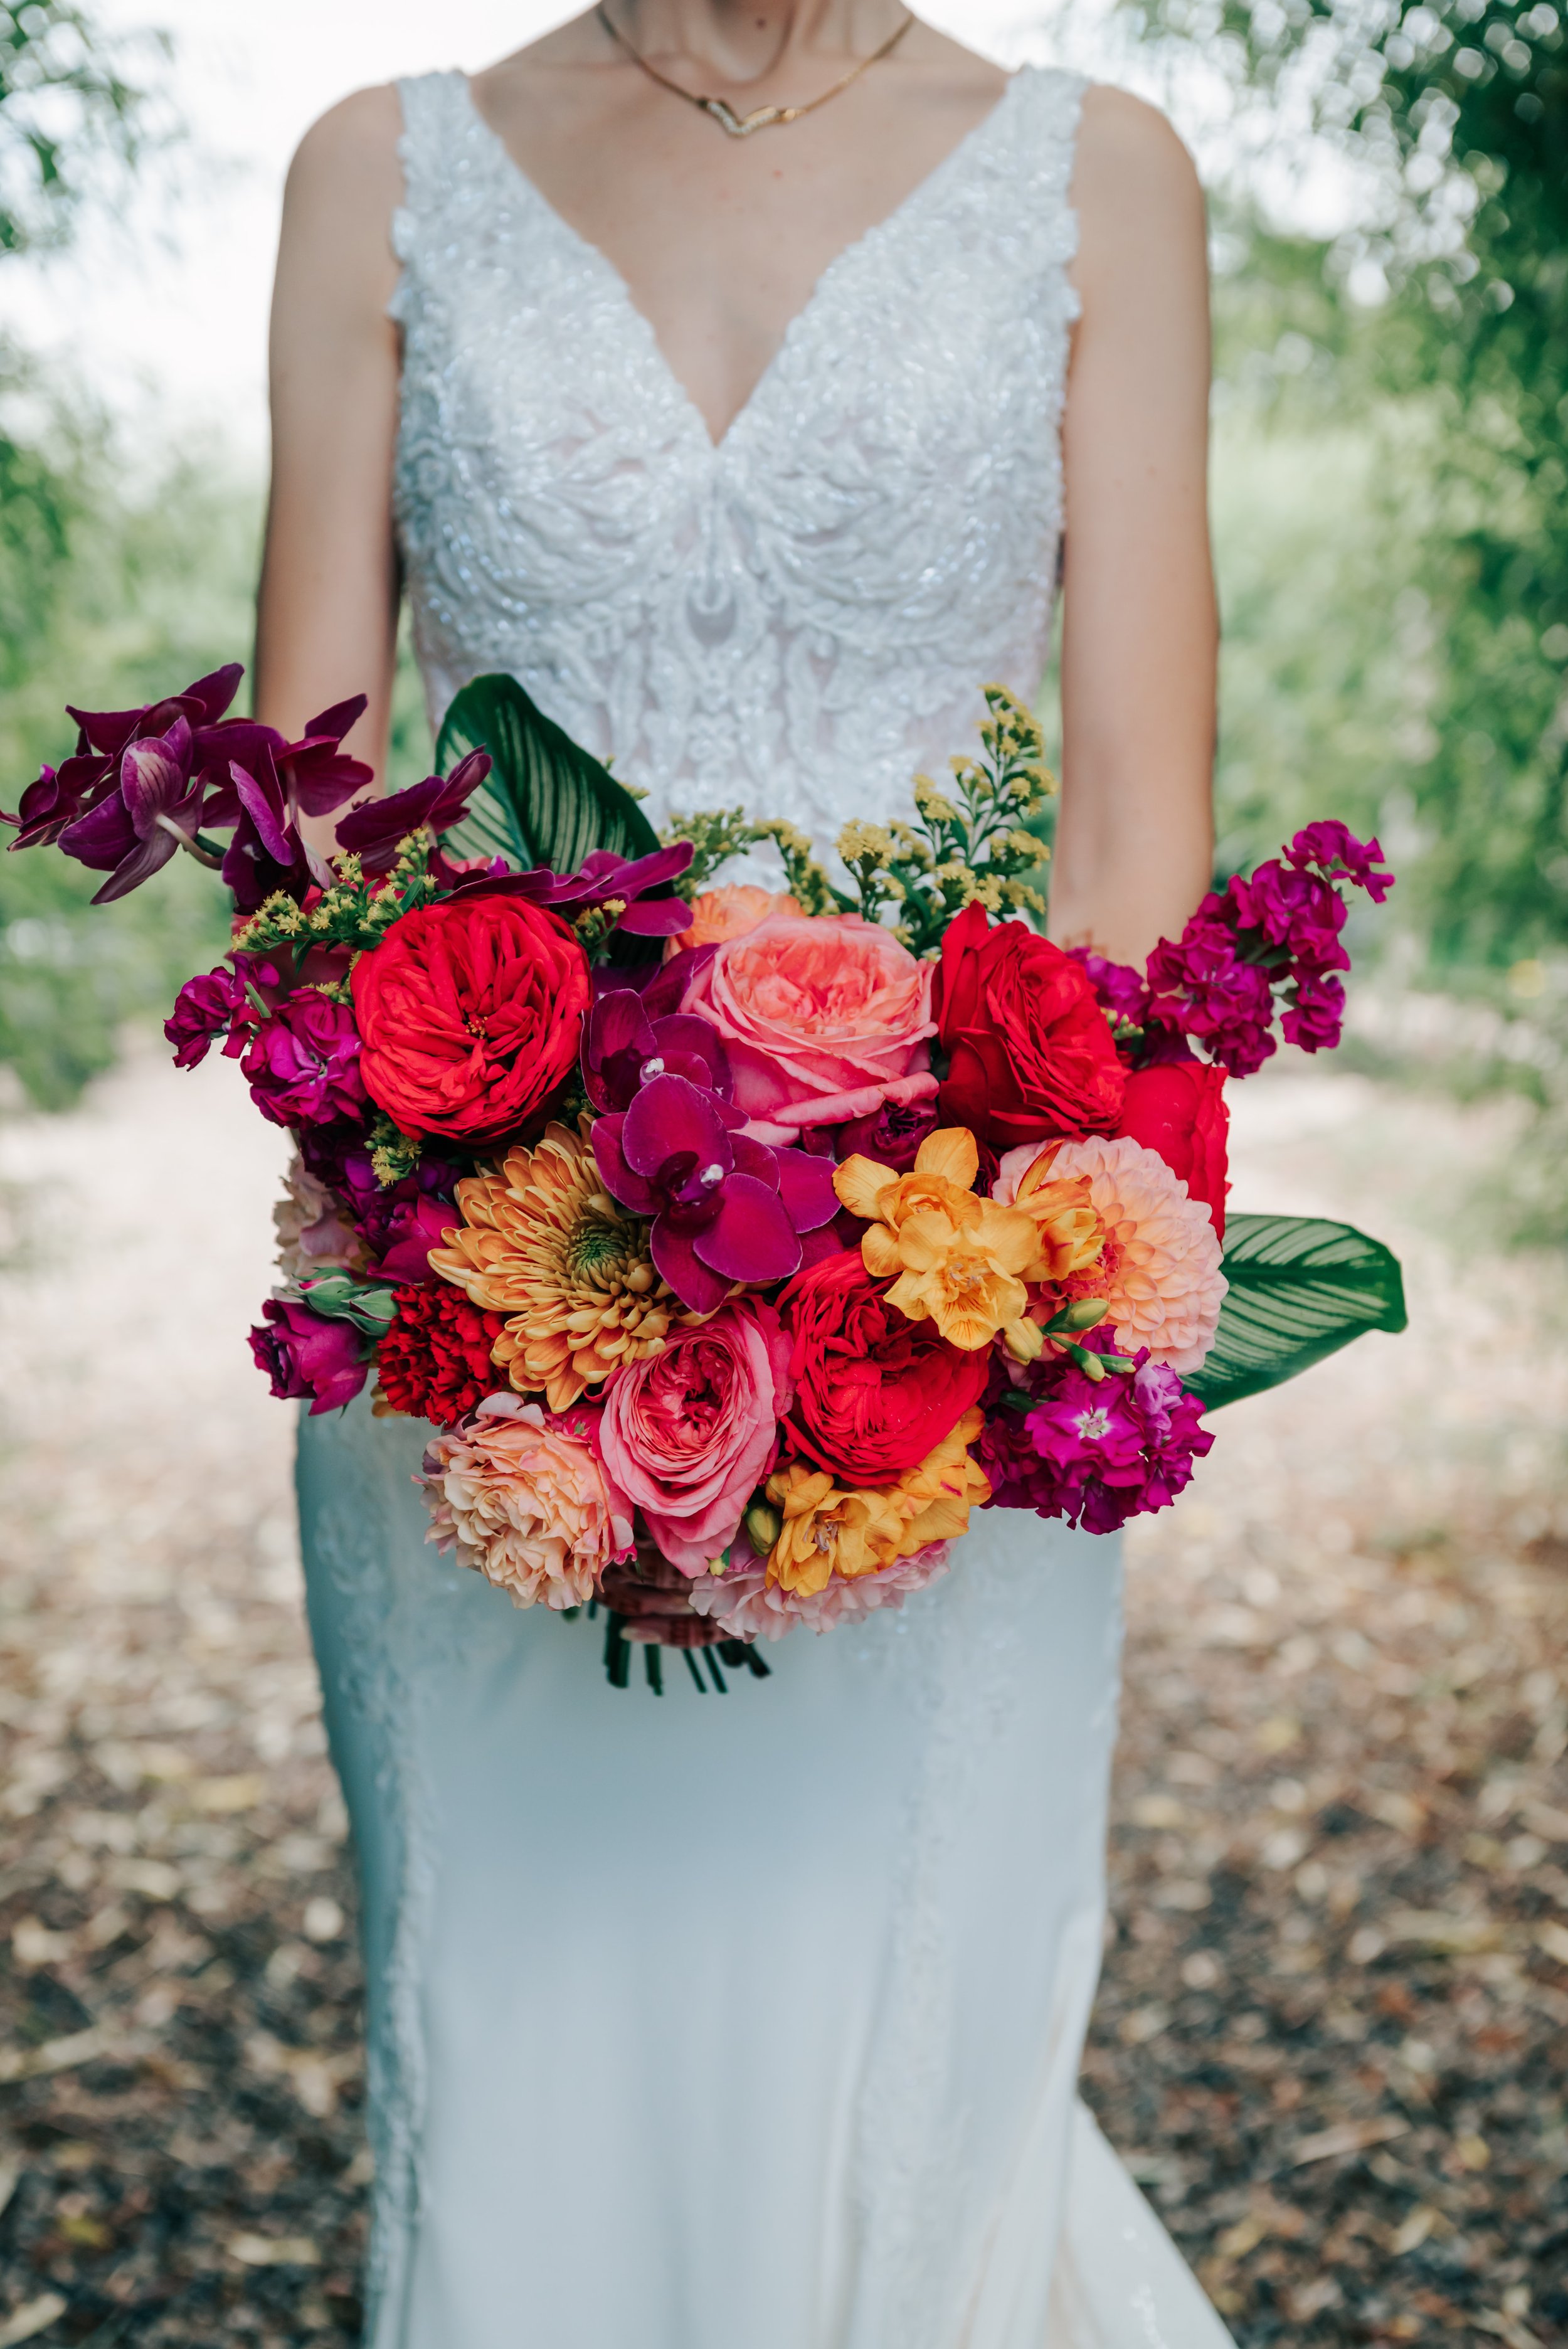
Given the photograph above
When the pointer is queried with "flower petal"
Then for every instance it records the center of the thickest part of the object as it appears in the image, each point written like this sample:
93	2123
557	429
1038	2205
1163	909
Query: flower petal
860	1184
950	1153
806	1185
752	1238
676	1261
669	1119
618	1178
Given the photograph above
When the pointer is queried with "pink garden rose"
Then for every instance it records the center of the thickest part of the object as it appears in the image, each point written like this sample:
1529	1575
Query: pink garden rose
689	1435
524	1499
823	1019
746	1606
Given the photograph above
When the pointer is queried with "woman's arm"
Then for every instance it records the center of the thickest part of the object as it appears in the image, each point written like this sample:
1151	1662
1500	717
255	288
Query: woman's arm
1140	631
327	623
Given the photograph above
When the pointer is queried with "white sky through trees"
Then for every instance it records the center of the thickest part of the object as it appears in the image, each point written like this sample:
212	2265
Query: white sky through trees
162	311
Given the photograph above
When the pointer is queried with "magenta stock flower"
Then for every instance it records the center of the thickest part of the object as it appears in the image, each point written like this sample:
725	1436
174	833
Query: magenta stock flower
724	1209
303	1064
1340	856
1295	909
1315	1018
1200	986
219	1004
1121	991
304	1355
1093	1452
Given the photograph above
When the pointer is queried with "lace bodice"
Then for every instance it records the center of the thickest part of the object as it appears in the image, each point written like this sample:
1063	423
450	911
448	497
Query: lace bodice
799	619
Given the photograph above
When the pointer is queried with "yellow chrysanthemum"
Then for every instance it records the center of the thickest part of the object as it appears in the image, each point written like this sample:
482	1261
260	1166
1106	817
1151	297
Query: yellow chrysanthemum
828	1530
543	1242
954	1258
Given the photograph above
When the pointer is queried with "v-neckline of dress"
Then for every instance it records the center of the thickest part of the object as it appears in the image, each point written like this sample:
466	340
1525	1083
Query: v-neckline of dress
842	262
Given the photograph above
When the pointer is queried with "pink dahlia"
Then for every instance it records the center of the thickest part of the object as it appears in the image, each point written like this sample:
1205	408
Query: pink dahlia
744	1605
1162	1261
523	1499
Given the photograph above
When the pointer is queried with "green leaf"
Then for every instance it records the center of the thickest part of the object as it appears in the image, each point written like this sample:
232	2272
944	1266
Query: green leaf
546	800
1300	1290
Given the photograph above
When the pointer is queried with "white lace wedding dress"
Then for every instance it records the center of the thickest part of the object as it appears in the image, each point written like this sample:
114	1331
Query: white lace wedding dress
752	2021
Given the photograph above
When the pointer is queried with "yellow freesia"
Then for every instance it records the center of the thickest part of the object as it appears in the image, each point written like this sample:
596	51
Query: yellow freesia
953	1258
830	1530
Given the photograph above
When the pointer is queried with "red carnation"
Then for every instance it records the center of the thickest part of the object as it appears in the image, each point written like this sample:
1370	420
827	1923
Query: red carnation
875	1392
435	1359
1178	1108
468	1016
1029	1049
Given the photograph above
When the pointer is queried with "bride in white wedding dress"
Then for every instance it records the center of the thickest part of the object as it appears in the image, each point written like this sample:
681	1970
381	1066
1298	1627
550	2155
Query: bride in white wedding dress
747	2022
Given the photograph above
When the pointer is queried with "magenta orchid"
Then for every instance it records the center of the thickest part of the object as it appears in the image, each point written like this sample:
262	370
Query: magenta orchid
157	812
724	1208
622	1050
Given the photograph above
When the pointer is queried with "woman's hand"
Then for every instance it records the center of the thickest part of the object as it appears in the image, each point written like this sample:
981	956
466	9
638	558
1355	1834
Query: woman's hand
1135	840
328	613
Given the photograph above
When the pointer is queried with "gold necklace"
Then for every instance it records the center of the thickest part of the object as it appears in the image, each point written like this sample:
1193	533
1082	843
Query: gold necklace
762	118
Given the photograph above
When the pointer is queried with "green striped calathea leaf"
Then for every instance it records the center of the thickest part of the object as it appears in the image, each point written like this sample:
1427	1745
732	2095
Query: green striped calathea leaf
1299	1289
546	800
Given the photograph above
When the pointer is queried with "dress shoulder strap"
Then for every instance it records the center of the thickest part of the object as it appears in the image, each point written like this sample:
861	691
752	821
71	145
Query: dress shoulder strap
437	152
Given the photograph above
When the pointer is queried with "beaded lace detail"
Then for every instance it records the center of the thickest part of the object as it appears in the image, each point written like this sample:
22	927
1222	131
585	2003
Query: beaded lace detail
797	619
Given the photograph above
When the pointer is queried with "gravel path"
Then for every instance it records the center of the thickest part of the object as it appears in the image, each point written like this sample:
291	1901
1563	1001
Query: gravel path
1331	2039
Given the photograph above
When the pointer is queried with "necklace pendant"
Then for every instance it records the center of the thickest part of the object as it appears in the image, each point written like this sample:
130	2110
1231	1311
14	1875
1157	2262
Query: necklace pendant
741	126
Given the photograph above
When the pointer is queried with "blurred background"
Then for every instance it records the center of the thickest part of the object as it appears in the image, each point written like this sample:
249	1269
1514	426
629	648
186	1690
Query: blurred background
1333	2032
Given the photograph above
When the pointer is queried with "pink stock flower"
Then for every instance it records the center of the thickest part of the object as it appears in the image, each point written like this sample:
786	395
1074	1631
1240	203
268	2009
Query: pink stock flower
745	1605
823	1021
302	1065
304	1354
689	1434
524	1500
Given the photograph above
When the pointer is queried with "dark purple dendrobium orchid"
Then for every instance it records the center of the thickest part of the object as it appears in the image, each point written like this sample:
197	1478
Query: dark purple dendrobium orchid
603	877
157	810
374	833
61	797
622	1050
724	1209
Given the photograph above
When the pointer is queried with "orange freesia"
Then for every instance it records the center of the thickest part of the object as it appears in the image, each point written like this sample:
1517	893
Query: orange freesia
828	1530
954	1258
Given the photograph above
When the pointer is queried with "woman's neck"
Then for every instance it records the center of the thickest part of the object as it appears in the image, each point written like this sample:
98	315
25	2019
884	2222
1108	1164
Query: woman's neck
744	41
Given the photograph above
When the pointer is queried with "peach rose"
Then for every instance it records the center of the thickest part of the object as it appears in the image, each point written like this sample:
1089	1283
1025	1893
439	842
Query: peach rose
823	1019
722	913
525	1501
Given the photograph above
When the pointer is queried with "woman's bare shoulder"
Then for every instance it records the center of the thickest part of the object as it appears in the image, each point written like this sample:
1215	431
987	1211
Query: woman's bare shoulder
350	153
1131	170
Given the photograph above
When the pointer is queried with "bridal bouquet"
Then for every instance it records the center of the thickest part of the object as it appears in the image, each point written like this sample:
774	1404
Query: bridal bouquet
736	1246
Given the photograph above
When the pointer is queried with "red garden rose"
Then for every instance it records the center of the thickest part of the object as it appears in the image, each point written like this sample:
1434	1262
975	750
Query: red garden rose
435	1359
1029	1049
874	1392
1179	1109
468	1016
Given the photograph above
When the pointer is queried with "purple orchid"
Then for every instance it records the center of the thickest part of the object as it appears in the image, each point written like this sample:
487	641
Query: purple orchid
622	1050
157	810
724	1209
603	876
61	797
304	1355
375	832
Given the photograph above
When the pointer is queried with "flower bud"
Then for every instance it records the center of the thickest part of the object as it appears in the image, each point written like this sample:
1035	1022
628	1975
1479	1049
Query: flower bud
1087	1314
763	1526
1024	1339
